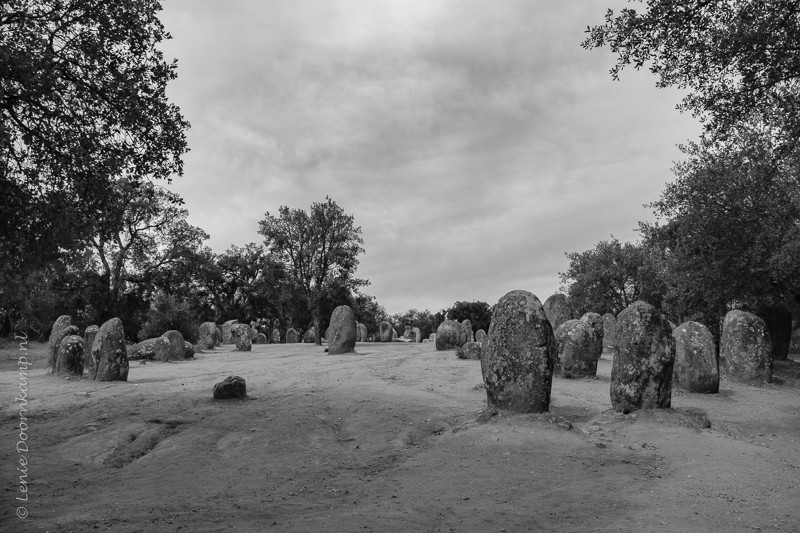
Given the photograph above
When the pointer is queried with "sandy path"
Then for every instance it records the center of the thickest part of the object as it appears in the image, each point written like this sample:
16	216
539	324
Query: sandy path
394	438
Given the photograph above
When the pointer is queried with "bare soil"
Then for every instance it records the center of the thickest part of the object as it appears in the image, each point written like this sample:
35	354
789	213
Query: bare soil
395	437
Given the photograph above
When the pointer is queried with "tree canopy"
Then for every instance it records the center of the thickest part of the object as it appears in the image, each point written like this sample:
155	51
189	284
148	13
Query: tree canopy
82	104
737	58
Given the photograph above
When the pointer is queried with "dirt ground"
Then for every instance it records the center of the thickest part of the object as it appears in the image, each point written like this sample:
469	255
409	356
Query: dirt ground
395	437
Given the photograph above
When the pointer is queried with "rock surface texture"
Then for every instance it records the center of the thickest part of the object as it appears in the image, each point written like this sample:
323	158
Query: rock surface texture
70	356
450	335
342	336
230	388
519	355
207	336
609	334
641	375
109	353
57	333
595	321
385	331
177	343
576	345
557	310
291	336
695	367
745	348
227	337
470	350
88	338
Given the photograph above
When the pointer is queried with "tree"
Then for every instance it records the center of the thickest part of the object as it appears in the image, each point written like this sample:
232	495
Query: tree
82	103
737	58
319	249
611	276
478	313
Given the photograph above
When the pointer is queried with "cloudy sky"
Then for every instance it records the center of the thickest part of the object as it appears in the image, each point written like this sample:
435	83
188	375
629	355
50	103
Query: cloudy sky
473	141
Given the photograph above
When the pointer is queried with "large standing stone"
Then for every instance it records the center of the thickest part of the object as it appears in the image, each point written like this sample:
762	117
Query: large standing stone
176	343
57	333
609	334
276	336
518	355
261	339
109	353
88	338
595	321
230	388
641	375
242	338
291	336
363	334
342	331
408	334
576	345
188	350
695	359
745	349
162	350
417	334
450	335
227	334
310	336
70	356
207	336
470	350
480	336
469	336
385	329
557	310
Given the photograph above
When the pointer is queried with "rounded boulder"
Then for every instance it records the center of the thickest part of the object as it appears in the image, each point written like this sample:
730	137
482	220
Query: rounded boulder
576	345
450	335
695	367
745	348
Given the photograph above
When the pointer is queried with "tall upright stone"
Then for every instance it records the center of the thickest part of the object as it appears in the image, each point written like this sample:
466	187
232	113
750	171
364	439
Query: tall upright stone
70	357
342	337
109	353
641	375
557	310
466	325
595	321
310	336
57	333
291	336
450	336
417	334
177	344
227	335
609	334
695	367
518	355
276	336
88	338
745	349
363	334
207	336
162	350
385	330
480	336
576	345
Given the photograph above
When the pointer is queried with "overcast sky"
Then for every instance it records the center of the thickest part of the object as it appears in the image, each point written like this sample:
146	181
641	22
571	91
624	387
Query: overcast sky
474	142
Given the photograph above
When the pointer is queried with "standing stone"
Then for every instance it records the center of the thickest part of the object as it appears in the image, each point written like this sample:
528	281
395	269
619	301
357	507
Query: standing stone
109	353
342	331
309	336
470	350
207	336
432	338
88	338
595	321
219	336
188	350
519	355
243	343
162	350
276	336
143	350
450	335
230	388
240	330
641	375
57	333
576	345
480	336
468	335
609	334
291	336
227	334
557	310
363	334
745	349
417	334
70	356
261	339
385	330
408	334
176	343
394	333
695	367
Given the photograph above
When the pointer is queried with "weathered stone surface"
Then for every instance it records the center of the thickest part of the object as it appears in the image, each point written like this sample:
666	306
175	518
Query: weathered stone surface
219	335
695	367
309	336
109	353
394	333
595	321
342	331
432	337
57	333
261	339
163	350
291	336
609	334
417	334
363	334
231	387
227	334
243	343
470	350
88	338
240	331
385	329
480	336
557	310
143	350
576	345
177	343
207	336
745	349
70	356
469	336
408	334
519	355
641	375
188	350
450	335
275	338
